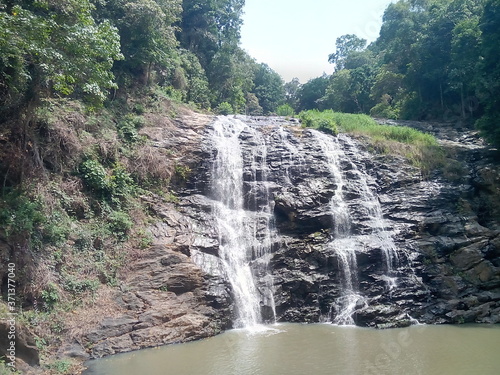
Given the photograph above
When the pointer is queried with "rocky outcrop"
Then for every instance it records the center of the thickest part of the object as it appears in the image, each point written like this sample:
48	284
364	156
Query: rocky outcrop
444	231
164	297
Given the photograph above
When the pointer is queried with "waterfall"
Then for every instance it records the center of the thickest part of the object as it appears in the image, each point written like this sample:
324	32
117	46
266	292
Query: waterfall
372	204
344	242
244	235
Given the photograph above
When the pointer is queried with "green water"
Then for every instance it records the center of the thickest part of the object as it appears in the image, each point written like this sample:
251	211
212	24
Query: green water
320	349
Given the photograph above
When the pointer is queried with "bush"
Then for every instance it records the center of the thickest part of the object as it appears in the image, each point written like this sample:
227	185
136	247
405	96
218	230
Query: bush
20	214
324	121
384	110
50	296
127	128
122	183
95	177
285	110
224	108
120	223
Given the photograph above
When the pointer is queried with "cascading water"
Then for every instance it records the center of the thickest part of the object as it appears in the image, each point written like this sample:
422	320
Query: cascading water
291	155
344	242
243	211
372	204
238	228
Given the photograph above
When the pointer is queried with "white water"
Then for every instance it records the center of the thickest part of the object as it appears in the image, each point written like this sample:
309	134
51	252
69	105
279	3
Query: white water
344	242
291	156
372	203
239	241
244	217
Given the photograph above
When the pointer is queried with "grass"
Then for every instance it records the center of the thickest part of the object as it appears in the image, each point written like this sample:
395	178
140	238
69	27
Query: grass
420	149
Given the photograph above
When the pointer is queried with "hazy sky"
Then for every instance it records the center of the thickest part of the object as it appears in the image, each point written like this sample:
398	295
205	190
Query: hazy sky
295	37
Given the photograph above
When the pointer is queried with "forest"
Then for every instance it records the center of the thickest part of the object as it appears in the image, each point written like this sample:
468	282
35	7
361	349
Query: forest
434	59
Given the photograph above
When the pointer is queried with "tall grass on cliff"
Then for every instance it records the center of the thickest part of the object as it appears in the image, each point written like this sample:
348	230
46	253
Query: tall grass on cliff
420	149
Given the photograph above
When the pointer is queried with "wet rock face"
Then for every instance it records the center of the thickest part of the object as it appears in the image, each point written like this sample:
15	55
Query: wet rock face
423	249
446	239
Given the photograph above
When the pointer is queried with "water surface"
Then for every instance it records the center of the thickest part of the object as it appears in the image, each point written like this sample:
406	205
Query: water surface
320	349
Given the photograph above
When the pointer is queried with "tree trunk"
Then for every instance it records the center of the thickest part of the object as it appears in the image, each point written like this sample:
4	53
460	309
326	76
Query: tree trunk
462	100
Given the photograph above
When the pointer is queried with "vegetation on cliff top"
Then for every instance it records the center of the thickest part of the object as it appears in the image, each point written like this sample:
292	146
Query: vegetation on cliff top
420	149
433	60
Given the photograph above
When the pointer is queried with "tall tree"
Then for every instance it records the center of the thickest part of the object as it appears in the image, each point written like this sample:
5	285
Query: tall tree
269	88
344	46
310	94
291	92
58	47
490	71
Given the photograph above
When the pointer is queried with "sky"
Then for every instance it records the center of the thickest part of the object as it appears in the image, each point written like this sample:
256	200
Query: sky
295	37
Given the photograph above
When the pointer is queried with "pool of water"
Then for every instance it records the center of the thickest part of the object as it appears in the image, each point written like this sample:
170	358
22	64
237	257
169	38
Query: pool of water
320	349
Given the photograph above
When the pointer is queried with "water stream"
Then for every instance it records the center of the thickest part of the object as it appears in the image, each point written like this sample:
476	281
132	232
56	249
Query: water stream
244	224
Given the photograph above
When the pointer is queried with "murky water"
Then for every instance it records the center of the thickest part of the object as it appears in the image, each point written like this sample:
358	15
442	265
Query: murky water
321	349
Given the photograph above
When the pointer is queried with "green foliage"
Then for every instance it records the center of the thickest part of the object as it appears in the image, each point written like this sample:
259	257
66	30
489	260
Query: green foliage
489	71
77	287
122	184
309	94
59	45
95	176
20	214
114	184
50	296
285	110
345	45
62	366
56	228
384	110
421	149
324	121
269	88
224	108
128	126
182	172
120	223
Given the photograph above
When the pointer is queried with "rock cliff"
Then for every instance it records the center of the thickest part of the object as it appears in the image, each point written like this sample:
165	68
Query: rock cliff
425	249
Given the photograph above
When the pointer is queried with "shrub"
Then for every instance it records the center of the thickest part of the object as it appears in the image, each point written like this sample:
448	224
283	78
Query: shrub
50	296
20	214
224	108
285	110
120	223
122	183
95	177
127	127
384	110
324	121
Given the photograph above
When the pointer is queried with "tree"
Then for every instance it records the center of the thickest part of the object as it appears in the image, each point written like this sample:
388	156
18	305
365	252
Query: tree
55	47
344	46
269	88
147	35
310	93
490	71
291	91
230	76
208	25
